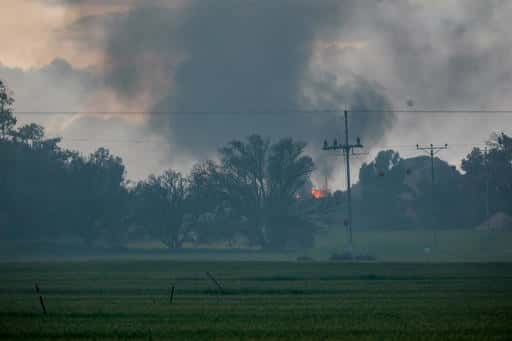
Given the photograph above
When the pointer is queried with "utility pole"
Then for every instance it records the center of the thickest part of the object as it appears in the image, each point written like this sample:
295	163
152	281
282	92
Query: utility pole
487	210
347	149
432	150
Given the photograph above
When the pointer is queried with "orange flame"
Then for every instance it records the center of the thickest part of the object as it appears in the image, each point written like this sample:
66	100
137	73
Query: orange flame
318	193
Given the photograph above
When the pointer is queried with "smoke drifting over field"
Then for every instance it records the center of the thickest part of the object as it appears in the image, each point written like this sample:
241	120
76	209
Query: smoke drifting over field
252	60
260	59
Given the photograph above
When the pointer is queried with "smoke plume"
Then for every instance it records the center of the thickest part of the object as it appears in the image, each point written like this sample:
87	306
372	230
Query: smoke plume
211	71
227	69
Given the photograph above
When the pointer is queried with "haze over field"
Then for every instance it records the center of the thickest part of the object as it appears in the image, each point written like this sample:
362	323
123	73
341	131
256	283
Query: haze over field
195	122
262	169
260	60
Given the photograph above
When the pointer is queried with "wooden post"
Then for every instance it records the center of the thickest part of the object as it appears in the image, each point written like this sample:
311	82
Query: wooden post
219	287
172	294
41	299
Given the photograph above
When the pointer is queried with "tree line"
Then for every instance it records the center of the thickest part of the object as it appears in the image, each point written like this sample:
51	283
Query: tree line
258	191
398	193
49	191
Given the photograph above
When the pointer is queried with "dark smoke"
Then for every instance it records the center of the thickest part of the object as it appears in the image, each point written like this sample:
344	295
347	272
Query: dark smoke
251	59
456	61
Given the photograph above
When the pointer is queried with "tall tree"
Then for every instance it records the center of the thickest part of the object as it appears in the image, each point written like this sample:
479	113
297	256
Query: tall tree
7	120
383	192
288	171
244	164
262	180
99	192
491	175
30	133
160	207
214	214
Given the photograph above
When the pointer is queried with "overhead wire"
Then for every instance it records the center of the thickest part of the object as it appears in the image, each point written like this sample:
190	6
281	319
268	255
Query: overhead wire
271	112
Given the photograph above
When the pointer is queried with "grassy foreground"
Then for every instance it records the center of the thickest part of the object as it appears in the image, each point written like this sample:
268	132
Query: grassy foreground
130	300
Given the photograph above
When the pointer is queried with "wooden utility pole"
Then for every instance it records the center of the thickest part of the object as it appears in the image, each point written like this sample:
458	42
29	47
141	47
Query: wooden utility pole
348	149
487	206
432	150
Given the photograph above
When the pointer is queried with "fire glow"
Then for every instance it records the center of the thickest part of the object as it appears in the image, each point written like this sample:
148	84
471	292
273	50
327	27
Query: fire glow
318	193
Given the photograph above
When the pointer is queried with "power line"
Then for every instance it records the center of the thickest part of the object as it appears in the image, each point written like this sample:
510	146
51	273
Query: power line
269	112
149	141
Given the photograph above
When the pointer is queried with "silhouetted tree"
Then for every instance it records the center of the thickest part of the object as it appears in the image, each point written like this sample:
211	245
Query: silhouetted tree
160	207
494	168
211	204
254	190
288	171
396	193
30	133
7	120
262	180
385	198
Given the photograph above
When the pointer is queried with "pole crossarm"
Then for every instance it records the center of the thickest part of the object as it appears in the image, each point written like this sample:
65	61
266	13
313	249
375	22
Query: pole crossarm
344	147
432	148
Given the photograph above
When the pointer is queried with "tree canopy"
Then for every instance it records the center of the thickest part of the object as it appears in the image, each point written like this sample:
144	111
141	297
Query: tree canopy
256	192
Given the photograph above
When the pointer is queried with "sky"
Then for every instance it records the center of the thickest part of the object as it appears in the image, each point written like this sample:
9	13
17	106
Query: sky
248	66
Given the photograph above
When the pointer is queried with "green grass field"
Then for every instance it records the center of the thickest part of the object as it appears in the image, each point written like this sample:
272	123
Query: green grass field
454	245
269	300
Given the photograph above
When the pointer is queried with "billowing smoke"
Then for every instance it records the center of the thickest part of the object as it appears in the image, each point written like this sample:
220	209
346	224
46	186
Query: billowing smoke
450	54
246	65
226	69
